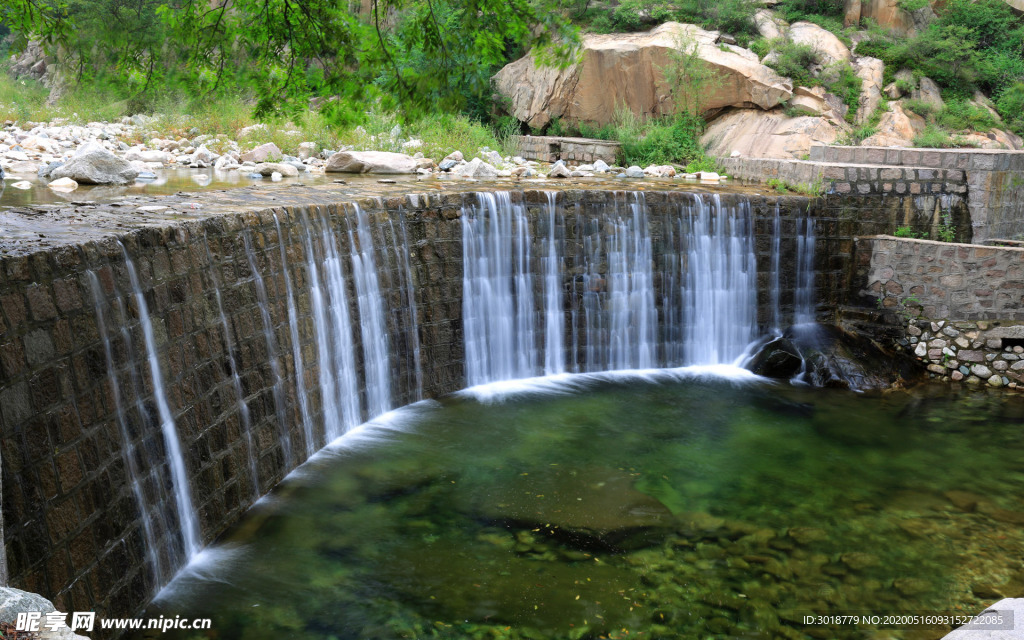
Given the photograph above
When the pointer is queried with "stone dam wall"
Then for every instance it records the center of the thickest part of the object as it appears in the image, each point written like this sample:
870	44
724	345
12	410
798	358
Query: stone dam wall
73	530
958	308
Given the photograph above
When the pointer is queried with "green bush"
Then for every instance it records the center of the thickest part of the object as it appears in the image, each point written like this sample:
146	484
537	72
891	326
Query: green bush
920	107
841	80
663	141
793	60
761	46
959	115
1010	105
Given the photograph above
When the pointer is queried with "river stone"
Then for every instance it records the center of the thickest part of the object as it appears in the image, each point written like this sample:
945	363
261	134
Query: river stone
270	168
384	162
590	507
559	171
475	168
263	153
480	582
979	630
981	371
97	167
15	601
778	359
634	172
63	184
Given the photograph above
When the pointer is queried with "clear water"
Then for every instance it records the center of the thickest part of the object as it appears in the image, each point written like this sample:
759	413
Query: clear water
655	505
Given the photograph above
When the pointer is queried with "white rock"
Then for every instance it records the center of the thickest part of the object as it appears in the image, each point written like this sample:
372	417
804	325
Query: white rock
475	168
63	184
269	168
22	184
559	170
600	166
634	172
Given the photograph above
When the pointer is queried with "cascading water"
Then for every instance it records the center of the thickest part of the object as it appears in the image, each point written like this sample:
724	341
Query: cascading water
775	291
400	244
706	267
804	295
497	302
135	474
236	380
280	402
183	493
721	294
372	326
342	355
554	314
293	326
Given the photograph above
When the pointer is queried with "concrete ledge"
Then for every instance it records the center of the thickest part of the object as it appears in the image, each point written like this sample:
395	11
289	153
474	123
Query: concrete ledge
580	150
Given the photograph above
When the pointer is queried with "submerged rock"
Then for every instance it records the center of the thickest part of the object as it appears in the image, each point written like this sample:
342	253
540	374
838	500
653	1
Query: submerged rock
589	507
836	358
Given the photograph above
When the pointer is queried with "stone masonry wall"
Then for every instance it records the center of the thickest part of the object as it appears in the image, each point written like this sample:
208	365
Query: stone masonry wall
73	528
579	150
958	308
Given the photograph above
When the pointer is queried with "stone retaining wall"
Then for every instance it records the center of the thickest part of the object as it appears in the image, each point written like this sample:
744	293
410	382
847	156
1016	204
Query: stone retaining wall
959	308
73	529
577	150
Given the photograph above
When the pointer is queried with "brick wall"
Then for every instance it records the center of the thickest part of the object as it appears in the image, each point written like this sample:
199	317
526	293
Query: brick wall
576	150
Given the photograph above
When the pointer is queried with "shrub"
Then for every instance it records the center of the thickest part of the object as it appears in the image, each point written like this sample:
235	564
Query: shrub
920	107
1010	105
793	60
841	80
958	115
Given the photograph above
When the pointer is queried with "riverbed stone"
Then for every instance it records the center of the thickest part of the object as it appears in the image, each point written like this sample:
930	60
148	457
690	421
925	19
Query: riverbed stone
270	168
97	167
587	506
374	162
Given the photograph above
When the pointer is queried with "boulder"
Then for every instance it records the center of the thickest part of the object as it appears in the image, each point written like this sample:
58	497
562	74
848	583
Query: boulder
886	13
15	601
383	162
817	102
995	139
768	25
985	628
96	166
767	134
897	128
559	170
262	153
270	168
475	168
777	359
830	47
63	184
929	93
625	69
148	156
870	71
851	13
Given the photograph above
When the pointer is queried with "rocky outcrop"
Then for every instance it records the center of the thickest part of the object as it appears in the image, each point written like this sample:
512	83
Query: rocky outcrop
769	25
829	47
374	162
818	102
897	128
767	134
616	70
870	71
888	14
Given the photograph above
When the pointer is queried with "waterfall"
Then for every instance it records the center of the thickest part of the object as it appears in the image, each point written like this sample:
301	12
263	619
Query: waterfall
271	340
372	326
804	294
342	360
236	381
775	285
293	325
407	314
183	494
700	309
135	474
721	297
497	302
554	309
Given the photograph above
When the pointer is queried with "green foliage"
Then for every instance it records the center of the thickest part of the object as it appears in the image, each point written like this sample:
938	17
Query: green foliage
1010	105
947	230
958	115
813	190
922	108
912	5
794	10
905	86
933	137
730	16
841	80
690	78
703	163
670	140
761	46
794	60
907	232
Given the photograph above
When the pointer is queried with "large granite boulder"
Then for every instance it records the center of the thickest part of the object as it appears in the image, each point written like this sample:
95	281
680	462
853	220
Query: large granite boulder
777	359
375	162
625	69
889	15
830	48
897	128
1001	621
96	166
767	134
870	71
15	601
